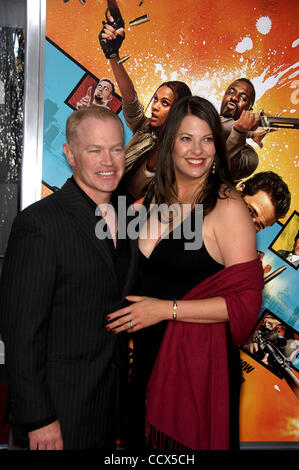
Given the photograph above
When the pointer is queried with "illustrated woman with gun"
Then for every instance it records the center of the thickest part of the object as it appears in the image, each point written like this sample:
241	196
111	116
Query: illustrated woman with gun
141	151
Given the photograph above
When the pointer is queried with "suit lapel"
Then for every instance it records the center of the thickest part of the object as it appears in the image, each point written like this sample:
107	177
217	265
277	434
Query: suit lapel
84	221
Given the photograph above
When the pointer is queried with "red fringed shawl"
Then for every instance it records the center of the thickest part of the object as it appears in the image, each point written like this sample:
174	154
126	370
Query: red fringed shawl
188	393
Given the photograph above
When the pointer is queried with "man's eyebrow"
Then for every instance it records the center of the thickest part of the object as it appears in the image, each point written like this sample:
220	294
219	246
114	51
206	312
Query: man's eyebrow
93	146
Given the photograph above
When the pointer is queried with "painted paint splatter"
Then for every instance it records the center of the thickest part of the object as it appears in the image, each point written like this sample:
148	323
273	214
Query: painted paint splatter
264	25
245	45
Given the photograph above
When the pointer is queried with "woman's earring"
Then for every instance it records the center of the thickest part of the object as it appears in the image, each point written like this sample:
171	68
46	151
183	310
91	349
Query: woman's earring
213	167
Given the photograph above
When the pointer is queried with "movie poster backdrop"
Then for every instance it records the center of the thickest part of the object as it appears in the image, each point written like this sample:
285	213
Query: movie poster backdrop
207	45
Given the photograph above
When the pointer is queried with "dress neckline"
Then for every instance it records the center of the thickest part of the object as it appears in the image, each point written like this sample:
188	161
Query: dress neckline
165	237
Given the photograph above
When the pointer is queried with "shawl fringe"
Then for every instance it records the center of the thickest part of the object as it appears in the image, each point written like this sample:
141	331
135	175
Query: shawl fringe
158	440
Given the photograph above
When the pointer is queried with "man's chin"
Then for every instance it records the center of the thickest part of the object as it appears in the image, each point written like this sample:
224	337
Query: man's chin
229	114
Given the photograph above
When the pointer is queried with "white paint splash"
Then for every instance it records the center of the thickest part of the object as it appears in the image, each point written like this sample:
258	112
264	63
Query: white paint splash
295	43
277	387
159	68
245	45
174	76
264	25
262	84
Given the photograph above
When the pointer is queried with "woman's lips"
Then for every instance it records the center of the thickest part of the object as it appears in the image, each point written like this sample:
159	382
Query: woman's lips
154	117
195	161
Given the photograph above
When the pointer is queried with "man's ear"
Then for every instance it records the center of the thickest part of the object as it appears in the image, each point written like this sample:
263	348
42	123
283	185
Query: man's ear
69	154
241	187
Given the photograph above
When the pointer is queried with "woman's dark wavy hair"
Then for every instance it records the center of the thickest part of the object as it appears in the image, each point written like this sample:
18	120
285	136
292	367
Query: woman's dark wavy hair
179	89
165	185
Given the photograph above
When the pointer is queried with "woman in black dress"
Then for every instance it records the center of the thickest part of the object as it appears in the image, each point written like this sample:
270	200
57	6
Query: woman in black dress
192	174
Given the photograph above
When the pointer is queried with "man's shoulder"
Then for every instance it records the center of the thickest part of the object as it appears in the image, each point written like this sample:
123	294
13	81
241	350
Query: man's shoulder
45	204
48	207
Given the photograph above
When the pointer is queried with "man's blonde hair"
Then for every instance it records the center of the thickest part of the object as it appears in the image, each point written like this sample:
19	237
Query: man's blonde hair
98	112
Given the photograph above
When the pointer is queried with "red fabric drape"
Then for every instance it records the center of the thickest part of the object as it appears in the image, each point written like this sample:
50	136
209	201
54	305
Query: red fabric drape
188	393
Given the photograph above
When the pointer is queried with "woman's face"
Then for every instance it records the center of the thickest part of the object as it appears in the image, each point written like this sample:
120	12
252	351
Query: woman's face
193	151
163	100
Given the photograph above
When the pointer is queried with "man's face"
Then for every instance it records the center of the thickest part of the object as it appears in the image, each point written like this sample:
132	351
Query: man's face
97	157
296	247
273	324
103	91
261	208
236	98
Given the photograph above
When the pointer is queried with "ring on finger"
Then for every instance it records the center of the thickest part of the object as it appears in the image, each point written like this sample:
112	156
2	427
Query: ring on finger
130	324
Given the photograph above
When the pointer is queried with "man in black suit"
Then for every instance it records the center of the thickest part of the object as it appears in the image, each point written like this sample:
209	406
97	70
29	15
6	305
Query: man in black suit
59	282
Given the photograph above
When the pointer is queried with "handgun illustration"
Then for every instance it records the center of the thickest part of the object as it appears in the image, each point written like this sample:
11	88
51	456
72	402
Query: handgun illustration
114	11
111	47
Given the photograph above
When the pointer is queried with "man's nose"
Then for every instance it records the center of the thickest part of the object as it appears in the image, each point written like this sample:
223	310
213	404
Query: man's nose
235	97
106	158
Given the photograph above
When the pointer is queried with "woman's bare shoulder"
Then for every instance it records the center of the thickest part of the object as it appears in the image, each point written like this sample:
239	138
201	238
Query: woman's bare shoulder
230	200
233	228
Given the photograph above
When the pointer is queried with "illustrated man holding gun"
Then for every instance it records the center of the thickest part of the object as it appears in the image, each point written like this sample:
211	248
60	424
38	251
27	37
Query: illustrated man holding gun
275	346
240	122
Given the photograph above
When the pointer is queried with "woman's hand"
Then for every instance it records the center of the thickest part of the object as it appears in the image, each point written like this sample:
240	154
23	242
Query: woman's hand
111	40
141	313
110	33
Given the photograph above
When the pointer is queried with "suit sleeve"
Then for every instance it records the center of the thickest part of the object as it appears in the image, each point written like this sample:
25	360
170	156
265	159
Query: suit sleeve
26	290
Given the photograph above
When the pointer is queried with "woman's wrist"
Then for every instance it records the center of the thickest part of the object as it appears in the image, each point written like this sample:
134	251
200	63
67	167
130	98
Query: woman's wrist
170	310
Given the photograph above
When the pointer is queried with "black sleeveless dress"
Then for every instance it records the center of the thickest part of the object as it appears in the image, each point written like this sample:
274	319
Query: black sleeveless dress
169	273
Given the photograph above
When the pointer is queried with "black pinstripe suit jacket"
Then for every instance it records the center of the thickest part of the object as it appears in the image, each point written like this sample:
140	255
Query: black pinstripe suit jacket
58	283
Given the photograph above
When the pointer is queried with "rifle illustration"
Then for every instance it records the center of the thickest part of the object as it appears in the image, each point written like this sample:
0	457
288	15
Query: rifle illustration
276	358
279	122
